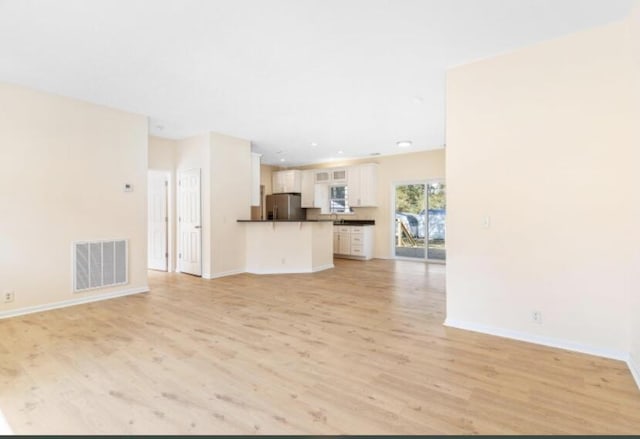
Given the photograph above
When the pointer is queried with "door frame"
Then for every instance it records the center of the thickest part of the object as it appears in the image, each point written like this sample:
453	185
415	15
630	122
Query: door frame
179	173
394	185
166	176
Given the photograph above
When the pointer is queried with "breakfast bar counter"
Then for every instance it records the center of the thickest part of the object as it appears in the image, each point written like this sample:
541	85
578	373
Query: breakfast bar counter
288	246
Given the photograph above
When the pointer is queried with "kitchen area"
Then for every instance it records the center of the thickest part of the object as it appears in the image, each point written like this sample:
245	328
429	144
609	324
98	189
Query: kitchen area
300	226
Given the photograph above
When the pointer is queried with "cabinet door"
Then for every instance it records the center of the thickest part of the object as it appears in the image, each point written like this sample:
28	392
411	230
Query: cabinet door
322	176
277	186
339	175
344	244
368	185
287	181
321	197
354	186
357	239
307	189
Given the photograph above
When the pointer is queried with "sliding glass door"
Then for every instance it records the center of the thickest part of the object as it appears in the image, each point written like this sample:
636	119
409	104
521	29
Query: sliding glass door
419	226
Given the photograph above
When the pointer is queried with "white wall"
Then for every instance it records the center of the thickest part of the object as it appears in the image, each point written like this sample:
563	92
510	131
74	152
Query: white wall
540	141
5	429
63	166
635	305
230	201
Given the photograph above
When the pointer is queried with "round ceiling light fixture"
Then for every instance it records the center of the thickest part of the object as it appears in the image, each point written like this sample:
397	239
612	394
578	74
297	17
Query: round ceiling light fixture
283	160
404	143
341	152
314	144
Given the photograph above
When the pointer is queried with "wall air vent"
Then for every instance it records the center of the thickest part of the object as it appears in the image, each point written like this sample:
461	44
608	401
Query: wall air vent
99	264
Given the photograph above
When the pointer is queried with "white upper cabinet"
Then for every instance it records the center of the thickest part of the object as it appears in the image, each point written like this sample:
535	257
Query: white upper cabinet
321	197
331	176
287	181
339	175
363	185
361	182
255	179
353	186
323	176
308	188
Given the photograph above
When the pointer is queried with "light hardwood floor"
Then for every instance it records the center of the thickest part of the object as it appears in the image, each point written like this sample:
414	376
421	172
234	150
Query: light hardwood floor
356	350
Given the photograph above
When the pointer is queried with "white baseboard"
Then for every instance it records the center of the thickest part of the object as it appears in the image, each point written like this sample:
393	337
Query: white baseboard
322	268
72	302
634	367
293	271
5	430
210	276
283	271
539	339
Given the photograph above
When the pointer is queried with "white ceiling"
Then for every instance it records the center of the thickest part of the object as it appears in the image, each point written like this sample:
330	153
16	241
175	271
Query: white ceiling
350	75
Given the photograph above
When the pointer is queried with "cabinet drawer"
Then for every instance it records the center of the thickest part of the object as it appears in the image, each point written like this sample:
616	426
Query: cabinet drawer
357	229
357	239
356	250
343	229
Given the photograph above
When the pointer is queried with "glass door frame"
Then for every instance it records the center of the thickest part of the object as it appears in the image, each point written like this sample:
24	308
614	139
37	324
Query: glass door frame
392	240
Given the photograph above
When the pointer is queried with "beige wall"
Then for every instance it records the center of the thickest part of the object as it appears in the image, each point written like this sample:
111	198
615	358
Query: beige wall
63	166
162	153
225	169
230	201
540	141
400	168
635	305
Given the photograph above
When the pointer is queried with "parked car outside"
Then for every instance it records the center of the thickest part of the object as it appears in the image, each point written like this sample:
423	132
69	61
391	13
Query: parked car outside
415	223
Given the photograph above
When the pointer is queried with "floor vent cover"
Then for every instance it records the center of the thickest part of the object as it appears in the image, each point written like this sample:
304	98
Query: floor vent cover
99	264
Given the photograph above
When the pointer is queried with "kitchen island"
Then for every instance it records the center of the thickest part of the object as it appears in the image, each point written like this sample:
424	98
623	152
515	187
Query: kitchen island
288	246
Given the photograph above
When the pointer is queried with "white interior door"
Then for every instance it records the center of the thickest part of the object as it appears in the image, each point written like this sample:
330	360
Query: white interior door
157	253
189	222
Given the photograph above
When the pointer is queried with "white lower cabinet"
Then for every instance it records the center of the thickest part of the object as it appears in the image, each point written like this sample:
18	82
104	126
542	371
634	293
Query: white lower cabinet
354	242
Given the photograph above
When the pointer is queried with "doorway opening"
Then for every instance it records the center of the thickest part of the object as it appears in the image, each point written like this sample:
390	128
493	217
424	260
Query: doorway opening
158	221
419	220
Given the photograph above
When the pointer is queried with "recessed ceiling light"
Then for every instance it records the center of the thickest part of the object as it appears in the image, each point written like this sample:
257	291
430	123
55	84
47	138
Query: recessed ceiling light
314	144
404	143
341	152
282	160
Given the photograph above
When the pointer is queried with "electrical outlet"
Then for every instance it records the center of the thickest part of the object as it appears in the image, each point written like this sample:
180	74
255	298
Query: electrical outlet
536	316
8	296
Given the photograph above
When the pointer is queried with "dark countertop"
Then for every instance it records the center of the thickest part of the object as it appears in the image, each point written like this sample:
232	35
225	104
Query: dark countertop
354	223
285	221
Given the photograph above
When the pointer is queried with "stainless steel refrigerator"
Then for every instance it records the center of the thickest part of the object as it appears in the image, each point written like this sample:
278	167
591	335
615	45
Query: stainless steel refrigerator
285	207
